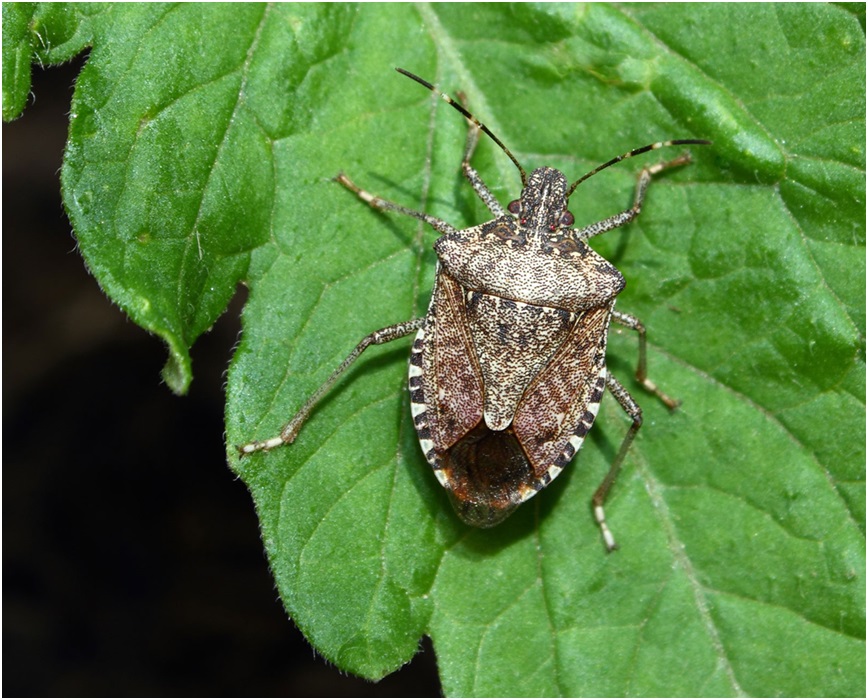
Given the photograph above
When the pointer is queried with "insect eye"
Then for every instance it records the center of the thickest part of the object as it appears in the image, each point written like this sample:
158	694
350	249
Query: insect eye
567	219
514	207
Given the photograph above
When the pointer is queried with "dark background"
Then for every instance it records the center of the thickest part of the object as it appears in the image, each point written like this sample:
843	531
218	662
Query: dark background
132	564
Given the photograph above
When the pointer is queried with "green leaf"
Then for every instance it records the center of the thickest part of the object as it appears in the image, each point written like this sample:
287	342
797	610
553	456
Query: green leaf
16	58
202	145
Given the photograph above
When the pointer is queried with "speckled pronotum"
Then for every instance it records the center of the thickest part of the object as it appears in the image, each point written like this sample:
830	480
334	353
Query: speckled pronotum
509	364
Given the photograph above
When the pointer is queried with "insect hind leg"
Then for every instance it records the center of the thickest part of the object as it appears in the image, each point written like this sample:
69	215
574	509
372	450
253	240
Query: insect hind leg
622	396
290	430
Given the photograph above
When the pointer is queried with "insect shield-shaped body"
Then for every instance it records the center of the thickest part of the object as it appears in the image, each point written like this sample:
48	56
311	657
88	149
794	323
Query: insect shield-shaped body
509	364
507	374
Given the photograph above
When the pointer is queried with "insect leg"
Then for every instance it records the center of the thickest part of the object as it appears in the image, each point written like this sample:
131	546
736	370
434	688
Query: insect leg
632	408
473	177
290	430
473	120
628	215
385	205
642	369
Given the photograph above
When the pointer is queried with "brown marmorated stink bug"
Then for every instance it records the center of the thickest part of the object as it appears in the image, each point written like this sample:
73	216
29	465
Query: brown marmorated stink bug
509	364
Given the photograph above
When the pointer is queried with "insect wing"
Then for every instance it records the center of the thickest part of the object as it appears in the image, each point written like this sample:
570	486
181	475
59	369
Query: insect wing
446	384
560	405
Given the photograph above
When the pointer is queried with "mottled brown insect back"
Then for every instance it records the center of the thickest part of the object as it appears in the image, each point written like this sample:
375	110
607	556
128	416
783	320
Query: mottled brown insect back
509	364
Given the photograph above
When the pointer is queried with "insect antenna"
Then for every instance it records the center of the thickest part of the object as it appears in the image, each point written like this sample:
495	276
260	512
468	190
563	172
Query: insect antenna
636	152
468	115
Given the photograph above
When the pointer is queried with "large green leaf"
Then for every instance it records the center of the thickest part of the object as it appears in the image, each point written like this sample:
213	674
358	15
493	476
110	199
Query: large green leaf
202	145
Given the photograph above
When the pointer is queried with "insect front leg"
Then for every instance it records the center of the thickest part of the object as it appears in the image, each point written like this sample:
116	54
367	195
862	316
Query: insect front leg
635	324
473	177
626	216
476	127
290	430
622	396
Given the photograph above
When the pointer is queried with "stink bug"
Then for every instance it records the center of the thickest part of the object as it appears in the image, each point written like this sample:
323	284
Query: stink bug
509	364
